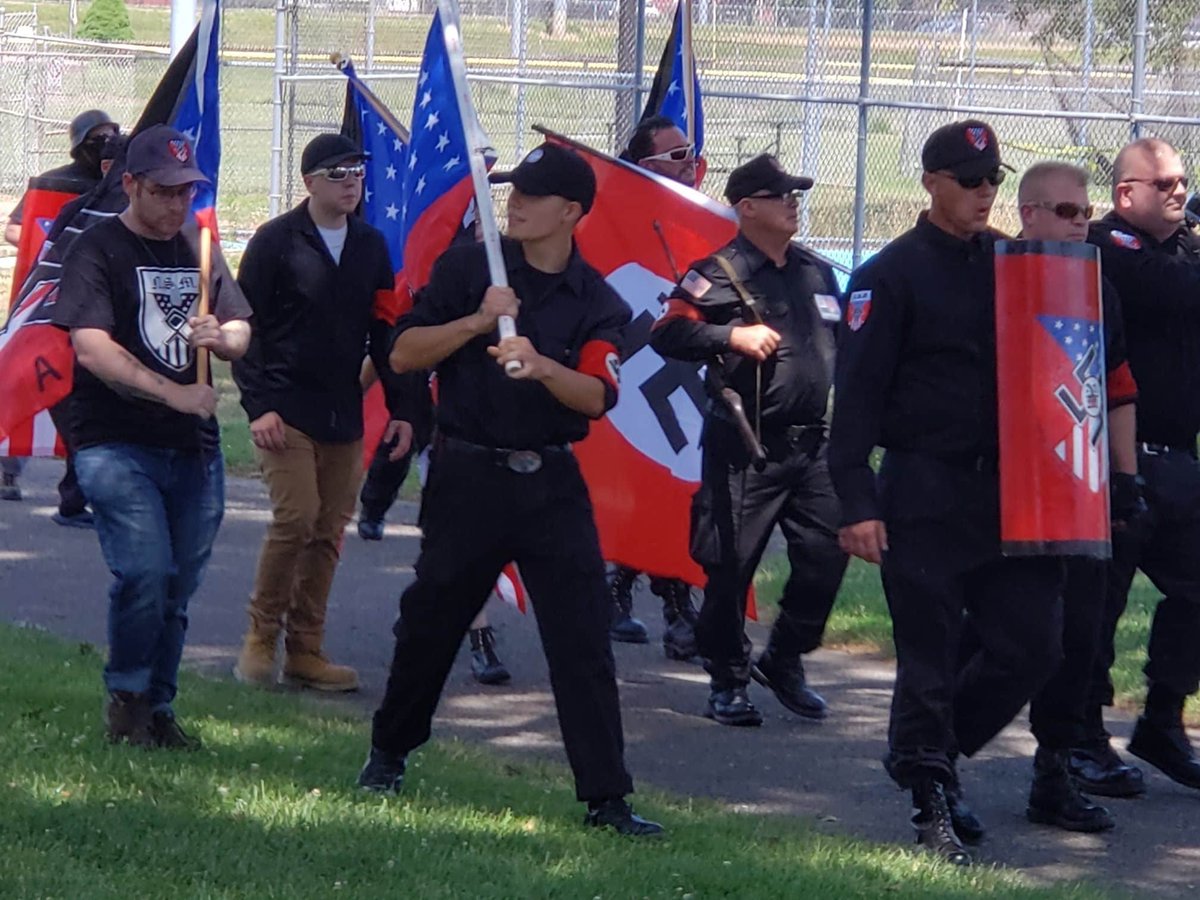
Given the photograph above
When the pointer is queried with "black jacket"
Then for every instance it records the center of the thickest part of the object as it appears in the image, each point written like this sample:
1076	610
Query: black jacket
313	322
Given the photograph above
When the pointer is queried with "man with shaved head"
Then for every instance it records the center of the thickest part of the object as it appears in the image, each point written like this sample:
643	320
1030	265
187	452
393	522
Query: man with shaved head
1153	260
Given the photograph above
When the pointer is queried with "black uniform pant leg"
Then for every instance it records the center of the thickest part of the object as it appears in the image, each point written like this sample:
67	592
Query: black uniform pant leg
1058	713
809	523
1171	560
732	518
558	554
71	499
1016	609
384	480
926	603
466	520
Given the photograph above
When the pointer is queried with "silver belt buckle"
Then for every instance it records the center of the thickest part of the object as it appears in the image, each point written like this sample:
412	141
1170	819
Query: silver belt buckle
524	462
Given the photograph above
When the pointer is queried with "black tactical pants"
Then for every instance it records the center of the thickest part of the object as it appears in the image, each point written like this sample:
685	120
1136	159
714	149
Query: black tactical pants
1169	553
733	514
478	515
943	565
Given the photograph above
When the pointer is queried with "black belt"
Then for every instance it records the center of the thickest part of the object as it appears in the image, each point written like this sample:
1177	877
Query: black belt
803	439
523	462
1152	449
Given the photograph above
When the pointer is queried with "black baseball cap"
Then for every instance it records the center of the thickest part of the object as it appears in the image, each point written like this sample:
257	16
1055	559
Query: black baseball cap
552	169
163	155
967	149
328	150
763	173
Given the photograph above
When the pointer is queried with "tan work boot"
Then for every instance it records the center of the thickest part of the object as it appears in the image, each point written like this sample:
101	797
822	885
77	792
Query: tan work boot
309	669
256	662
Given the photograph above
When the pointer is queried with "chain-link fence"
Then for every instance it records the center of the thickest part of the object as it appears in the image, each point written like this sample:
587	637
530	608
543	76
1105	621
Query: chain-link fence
1067	79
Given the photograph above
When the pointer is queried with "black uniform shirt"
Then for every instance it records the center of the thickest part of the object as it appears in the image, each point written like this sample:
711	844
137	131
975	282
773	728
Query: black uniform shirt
916	366
1159	286
572	317
795	300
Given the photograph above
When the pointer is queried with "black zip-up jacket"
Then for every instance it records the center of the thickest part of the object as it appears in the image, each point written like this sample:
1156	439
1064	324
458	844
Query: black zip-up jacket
313	321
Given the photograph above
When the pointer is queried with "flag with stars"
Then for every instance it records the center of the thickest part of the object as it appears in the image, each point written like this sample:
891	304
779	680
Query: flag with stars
1081	396
667	97
36	360
1052	401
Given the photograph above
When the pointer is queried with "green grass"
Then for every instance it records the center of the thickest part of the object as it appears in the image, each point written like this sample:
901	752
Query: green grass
860	621
268	809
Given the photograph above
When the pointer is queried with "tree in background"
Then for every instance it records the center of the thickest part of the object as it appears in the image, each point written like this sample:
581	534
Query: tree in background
106	20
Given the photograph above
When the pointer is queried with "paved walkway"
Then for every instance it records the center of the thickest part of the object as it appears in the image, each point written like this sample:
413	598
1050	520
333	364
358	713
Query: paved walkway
828	774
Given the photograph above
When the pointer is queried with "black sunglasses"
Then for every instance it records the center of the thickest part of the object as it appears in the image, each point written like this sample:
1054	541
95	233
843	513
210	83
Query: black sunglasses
1067	210
1162	185
995	178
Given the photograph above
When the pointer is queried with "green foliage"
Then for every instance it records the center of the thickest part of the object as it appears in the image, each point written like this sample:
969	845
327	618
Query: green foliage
1114	25
106	20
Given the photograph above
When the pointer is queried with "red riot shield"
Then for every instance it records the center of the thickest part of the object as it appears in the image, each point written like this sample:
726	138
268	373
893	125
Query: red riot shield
1052	403
43	200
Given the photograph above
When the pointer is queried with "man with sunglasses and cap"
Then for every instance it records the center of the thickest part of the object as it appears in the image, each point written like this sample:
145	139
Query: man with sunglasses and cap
143	426
659	146
1153	259
760	312
1054	206
504	485
916	375
314	277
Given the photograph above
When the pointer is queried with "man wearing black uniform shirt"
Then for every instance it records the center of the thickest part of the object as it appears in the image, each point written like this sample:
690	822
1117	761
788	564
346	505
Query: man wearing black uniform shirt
1154	262
757	312
916	374
145	457
503	483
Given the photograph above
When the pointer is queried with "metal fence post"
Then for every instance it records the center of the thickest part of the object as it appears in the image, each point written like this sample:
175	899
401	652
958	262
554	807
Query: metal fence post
275	191
860	166
1139	69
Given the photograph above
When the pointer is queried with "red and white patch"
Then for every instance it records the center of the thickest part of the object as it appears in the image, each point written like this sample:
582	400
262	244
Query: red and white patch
1126	240
179	150
858	309
977	137
695	284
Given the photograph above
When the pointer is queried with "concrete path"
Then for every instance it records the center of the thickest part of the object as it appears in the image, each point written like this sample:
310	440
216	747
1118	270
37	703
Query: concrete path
828	774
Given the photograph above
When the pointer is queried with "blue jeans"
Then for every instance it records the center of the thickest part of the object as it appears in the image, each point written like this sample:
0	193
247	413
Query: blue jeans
157	514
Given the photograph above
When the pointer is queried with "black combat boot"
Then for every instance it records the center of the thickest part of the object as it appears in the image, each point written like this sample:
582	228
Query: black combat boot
1161	740
618	815
383	772
935	830
1054	799
486	666
624	627
966	824
679	616
779	669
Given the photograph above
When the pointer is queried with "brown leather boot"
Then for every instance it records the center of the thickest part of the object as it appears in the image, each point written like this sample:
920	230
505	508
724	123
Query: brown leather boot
256	662
307	667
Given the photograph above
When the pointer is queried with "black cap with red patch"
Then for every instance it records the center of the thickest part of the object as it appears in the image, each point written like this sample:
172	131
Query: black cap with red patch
967	149
163	155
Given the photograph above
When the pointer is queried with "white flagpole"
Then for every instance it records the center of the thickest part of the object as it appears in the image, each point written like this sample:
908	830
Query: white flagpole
689	67
448	10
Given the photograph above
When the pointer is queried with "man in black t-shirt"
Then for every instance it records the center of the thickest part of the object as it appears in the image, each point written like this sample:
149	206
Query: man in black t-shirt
145	456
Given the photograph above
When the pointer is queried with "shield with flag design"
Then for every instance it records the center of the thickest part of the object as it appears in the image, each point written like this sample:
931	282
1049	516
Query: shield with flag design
1052	407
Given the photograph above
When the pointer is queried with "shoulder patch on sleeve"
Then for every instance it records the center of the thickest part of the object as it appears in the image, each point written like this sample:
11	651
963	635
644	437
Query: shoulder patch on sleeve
858	309
1125	239
827	306
695	284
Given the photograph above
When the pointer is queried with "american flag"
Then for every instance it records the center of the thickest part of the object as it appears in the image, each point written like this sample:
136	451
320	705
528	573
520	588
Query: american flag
1085	448
418	192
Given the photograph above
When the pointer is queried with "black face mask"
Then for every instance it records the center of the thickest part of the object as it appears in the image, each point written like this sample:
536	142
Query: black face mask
87	154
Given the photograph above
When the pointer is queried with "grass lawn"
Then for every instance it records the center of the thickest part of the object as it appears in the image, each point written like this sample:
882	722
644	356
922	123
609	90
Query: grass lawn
860	621
269	809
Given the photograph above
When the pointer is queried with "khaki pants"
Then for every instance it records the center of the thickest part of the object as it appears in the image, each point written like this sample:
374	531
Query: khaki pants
313	487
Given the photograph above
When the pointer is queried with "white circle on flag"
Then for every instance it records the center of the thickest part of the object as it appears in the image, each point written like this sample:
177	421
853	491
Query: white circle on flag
633	415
